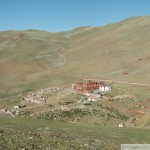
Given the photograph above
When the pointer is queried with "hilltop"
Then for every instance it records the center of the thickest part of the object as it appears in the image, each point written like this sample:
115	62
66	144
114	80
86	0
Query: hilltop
33	59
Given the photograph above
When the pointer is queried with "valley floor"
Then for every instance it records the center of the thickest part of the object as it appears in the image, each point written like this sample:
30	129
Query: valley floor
64	122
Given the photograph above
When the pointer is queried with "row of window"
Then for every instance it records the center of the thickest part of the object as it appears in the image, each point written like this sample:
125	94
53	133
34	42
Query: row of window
91	86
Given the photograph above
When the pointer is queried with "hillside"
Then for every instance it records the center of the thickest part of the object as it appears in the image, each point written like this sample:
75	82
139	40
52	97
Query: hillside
44	134
34	59
39	110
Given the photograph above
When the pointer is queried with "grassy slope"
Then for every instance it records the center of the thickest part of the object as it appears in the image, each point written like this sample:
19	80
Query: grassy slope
80	132
112	48
27	55
35	59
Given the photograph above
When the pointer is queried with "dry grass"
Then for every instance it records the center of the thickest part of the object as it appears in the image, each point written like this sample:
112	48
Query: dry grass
35	59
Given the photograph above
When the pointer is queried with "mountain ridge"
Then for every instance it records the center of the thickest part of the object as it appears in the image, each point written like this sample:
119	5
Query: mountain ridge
40	58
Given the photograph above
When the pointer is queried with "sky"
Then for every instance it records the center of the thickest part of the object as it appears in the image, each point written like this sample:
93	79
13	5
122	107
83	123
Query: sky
61	15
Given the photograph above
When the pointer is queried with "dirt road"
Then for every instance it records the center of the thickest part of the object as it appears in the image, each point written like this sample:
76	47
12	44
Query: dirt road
123	82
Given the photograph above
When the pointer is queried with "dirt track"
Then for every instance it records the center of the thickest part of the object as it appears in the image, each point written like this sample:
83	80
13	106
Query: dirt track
132	83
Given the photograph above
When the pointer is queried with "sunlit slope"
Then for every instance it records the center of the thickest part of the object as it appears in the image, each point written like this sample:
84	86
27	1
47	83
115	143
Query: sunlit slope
113	49
39	58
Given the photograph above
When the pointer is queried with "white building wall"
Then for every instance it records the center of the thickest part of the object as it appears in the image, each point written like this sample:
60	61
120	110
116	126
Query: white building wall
72	86
105	88
92	95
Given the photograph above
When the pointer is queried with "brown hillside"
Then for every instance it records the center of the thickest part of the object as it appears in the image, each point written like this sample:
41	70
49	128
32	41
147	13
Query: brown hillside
34	59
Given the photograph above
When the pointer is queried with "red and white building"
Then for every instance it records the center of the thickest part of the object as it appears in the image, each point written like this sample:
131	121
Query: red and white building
87	86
